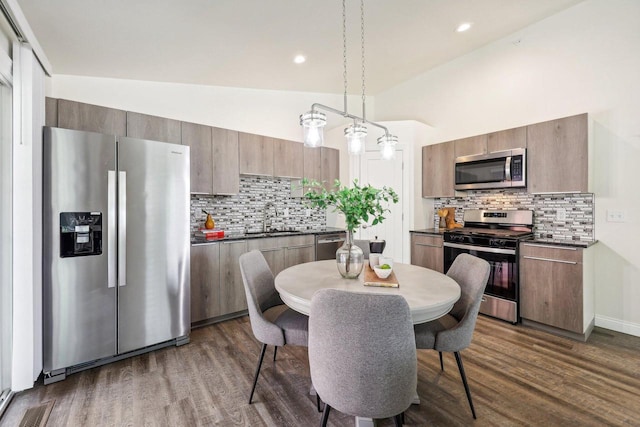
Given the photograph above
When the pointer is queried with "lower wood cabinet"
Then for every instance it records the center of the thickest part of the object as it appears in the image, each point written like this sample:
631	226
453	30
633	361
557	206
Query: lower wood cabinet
205	282
427	251
298	250
556	287
232	296
217	288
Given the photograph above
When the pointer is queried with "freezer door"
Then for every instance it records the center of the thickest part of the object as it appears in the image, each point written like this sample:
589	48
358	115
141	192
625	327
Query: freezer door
78	298
154	244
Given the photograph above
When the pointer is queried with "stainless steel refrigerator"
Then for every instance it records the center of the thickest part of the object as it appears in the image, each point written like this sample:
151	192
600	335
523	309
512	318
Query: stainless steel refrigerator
116	248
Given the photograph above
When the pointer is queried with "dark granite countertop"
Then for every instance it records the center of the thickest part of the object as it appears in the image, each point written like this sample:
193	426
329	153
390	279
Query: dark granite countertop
437	231
562	242
195	240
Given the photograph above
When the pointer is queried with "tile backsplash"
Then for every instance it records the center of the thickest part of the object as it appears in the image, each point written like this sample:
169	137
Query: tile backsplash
245	210
578	210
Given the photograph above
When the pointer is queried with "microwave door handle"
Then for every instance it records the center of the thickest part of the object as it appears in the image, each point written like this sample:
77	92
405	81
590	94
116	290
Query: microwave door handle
507	168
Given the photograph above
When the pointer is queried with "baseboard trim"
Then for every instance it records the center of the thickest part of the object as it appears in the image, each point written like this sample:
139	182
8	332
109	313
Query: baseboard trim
618	325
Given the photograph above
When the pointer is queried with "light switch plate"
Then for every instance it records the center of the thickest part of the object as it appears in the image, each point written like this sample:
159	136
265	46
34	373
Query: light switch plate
561	214
616	215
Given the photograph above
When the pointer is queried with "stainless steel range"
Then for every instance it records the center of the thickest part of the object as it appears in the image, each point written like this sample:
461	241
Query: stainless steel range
493	235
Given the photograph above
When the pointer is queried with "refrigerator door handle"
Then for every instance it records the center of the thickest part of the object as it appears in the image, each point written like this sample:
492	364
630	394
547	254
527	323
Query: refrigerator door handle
122	228
111	229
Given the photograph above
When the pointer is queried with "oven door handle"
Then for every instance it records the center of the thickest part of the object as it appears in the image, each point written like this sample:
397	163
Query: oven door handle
480	248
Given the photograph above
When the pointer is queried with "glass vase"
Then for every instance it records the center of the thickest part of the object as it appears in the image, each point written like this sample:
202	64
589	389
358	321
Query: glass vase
350	258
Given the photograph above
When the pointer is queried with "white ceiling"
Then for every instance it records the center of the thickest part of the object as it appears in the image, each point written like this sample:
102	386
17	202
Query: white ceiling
251	43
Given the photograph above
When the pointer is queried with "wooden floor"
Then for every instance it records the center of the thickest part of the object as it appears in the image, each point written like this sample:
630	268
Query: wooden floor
517	375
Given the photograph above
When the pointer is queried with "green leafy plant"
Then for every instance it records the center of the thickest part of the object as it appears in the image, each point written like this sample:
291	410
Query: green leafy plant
359	204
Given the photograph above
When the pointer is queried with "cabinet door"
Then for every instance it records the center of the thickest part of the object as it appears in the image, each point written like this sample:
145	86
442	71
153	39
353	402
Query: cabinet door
205	282
256	154
198	138
91	118
298	250
287	158
557	156
51	112
226	169
312	165
272	251
232	295
472	145
330	160
507	139
154	128
551	286
427	251
437	170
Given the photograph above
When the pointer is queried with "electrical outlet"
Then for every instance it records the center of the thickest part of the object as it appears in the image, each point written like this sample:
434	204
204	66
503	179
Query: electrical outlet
285	213
614	215
561	214
307	212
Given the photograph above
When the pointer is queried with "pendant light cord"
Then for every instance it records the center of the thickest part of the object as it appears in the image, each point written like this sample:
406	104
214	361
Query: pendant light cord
344	51
364	116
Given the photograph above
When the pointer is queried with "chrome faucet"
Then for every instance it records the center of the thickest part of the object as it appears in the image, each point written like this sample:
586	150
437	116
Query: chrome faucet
264	215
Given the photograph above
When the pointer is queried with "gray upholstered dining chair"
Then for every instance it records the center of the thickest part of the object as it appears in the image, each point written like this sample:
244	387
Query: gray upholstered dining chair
272	322
364	245
453	332
362	353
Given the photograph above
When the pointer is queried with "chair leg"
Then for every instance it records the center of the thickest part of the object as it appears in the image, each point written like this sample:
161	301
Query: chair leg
275	350
325	415
255	379
441	364
318	402
398	421
464	381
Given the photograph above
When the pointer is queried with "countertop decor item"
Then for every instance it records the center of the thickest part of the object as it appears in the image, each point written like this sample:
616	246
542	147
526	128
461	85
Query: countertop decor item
209	224
360	205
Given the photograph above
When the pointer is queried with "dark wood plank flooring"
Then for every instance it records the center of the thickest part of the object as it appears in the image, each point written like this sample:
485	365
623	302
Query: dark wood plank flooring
518	376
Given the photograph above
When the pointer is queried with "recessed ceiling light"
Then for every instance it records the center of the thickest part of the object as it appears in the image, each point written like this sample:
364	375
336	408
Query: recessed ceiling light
463	27
299	59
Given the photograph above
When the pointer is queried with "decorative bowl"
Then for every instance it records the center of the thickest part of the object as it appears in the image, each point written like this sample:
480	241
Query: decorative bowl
382	273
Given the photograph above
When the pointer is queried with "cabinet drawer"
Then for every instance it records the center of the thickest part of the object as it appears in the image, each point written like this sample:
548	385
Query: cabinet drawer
563	254
291	241
427	240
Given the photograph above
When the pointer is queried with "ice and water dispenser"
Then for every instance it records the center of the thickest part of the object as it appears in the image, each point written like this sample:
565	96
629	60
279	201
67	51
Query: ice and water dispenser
80	234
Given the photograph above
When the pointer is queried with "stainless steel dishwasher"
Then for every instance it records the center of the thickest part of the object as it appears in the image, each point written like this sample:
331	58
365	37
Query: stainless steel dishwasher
328	244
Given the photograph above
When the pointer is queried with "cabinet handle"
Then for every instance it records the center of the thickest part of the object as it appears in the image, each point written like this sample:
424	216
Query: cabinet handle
565	248
270	249
549	259
428	245
300	246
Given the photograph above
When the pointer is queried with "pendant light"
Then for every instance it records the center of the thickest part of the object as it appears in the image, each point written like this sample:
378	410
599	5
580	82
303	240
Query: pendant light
313	121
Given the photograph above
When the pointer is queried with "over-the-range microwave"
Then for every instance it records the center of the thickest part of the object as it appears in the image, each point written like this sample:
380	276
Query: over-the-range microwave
500	169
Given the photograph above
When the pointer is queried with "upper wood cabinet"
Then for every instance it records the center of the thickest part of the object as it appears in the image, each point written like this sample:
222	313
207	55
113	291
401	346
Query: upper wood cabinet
226	168
255	154
198	138
91	118
51	112
312	164
472	145
437	170
154	128
557	156
330	161
507	139
287	158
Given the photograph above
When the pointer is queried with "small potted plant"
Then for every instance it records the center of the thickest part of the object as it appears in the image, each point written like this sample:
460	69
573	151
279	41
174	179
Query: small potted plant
360	205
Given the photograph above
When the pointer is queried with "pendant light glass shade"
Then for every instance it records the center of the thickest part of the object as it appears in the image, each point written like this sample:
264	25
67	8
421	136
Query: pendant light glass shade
312	123
387	144
356	135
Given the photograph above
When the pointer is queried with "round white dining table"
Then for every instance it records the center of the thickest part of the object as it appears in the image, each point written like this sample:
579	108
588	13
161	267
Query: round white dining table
430	294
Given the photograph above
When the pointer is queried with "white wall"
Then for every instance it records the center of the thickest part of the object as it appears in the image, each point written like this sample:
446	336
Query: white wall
584	59
264	112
